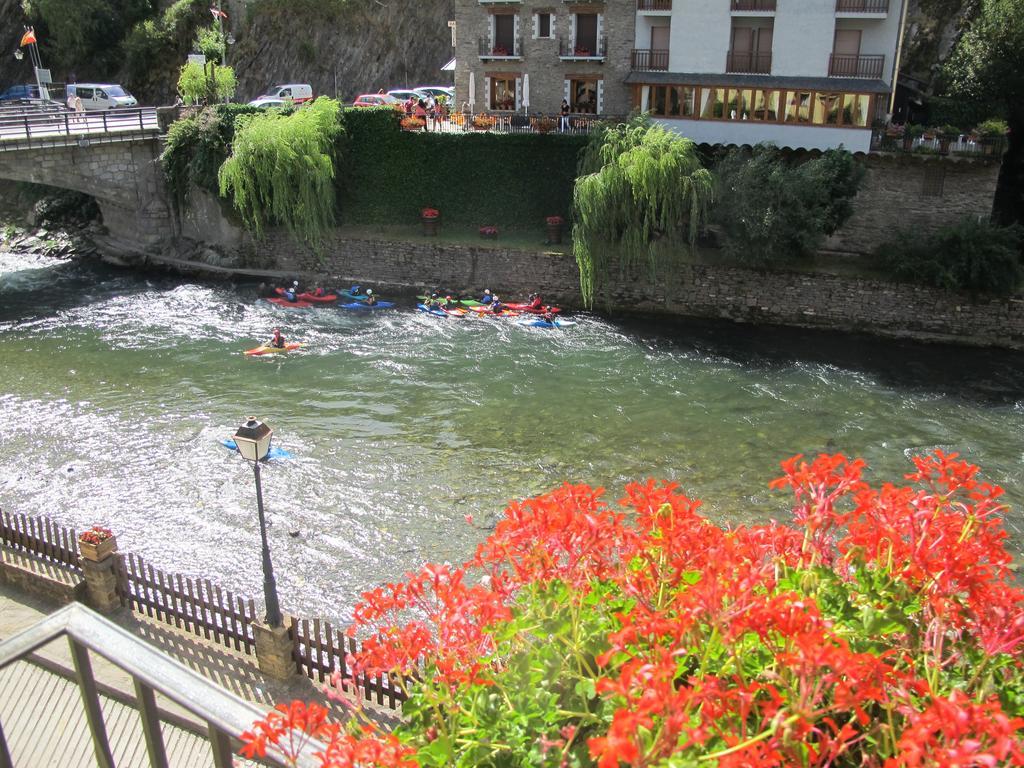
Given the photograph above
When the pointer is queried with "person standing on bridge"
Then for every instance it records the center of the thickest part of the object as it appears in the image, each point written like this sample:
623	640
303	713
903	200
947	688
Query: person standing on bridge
79	107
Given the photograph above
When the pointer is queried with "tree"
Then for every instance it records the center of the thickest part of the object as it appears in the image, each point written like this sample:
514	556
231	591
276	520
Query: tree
209	83
988	66
640	185
771	211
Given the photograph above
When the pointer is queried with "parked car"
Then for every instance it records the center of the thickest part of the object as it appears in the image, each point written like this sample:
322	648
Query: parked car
403	94
438	90
297	92
376	100
20	93
102	95
269	101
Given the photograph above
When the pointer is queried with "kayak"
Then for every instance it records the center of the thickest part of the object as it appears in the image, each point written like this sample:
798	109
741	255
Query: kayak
275	452
353	296
463	302
327	298
540	322
263	349
437	311
294	304
364	305
533	310
488	312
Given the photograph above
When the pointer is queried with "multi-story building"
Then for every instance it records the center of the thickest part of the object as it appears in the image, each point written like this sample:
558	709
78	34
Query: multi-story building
799	73
524	55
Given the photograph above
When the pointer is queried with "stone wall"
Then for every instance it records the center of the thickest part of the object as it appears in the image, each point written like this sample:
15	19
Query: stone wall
707	291
916	194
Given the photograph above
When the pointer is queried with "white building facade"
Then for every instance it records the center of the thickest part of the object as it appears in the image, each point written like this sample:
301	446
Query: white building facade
805	74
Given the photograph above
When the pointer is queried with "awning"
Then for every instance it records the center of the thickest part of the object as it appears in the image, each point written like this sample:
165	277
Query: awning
850	84
449	67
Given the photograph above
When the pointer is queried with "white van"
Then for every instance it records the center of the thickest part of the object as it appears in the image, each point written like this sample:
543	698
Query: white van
297	92
102	95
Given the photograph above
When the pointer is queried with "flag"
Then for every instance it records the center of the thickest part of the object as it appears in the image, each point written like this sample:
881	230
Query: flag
28	38
218	13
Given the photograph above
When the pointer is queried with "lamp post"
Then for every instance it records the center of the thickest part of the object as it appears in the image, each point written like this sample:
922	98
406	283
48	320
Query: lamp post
253	442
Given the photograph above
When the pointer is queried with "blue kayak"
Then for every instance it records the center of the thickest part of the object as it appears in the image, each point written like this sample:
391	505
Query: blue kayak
353	296
540	322
364	305
432	310
275	452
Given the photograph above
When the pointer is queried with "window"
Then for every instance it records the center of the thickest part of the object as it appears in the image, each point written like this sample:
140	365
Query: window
583	96
798	107
504	34
586	34
544	25
503	93
766	106
855	110
713	100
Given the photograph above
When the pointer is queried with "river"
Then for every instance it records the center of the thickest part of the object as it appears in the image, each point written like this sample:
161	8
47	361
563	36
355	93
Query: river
117	387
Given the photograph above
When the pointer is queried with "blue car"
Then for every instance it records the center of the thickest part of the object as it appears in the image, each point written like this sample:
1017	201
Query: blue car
20	93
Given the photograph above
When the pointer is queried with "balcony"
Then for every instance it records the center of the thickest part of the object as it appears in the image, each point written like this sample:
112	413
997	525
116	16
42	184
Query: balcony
749	63
879	7
500	2
650	60
756	6
654	5
501	51
844	65
582	51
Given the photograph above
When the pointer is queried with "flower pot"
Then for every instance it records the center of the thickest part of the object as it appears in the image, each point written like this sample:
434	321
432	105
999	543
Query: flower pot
944	145
430	225
97	552
554	233
908	143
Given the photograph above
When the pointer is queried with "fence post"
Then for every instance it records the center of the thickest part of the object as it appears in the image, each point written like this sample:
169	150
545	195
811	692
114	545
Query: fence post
274	649
101	576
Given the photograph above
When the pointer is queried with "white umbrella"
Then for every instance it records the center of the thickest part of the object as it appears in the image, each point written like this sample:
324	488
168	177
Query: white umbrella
472	92
526	93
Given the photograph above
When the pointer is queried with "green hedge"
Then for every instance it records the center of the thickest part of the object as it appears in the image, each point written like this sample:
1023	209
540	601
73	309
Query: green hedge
511	181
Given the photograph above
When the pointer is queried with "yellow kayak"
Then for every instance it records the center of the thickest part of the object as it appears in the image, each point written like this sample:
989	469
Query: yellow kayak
263	349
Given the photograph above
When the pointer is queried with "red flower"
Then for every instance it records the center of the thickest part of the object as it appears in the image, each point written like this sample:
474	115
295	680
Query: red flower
430	213
554	220
96	534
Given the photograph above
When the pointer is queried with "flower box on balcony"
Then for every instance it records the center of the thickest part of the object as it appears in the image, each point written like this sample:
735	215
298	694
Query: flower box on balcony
97	544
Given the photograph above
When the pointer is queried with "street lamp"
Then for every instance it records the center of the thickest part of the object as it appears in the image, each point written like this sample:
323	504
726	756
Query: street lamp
253	442
19	55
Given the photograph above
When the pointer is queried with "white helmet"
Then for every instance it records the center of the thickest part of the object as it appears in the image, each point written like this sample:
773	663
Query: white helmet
295	283
369	291
487	291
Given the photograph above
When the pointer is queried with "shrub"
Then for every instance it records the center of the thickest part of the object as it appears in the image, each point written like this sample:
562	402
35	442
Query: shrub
992	128
772	211
970	255
882	626
199	84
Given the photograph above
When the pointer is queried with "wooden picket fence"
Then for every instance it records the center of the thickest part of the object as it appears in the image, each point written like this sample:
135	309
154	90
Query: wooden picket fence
319	652
195	605
42	537
201	607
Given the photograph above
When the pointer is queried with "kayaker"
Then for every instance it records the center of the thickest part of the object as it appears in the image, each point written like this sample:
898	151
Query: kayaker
486	298
319	291
449	303
549	316
292	294
278	340
355	289
535	301
370	298
496	306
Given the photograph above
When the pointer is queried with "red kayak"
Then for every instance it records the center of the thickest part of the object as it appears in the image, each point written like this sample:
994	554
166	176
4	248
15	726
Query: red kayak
327	298
533	310
296	304
488	312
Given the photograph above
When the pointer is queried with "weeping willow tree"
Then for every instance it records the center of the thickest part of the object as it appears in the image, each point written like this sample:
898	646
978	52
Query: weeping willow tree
281	170
641	190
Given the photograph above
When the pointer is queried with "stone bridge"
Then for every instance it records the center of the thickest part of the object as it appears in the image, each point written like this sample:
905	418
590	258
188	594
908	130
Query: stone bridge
123	174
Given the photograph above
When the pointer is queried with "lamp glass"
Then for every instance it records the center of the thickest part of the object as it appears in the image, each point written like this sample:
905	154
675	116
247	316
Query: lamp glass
252	439
19	55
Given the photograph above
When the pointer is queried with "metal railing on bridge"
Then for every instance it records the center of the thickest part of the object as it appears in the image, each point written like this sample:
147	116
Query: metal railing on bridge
26	127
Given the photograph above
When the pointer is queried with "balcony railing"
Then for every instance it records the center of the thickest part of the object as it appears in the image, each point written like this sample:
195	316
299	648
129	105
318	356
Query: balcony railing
650	60
566	50
654	5
495	50
862	6
844	65
753	5
749	63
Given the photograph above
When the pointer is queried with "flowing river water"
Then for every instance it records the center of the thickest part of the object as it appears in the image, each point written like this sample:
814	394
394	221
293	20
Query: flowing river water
115	389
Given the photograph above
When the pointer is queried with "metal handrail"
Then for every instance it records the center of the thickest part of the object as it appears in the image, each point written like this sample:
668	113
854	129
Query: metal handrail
30	124
227	716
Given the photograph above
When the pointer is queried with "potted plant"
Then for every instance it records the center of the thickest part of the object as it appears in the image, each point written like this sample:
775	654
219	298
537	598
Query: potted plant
946	133
554	224
413	123
544	124
97	543
910	133
990	134
489	232
430	218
